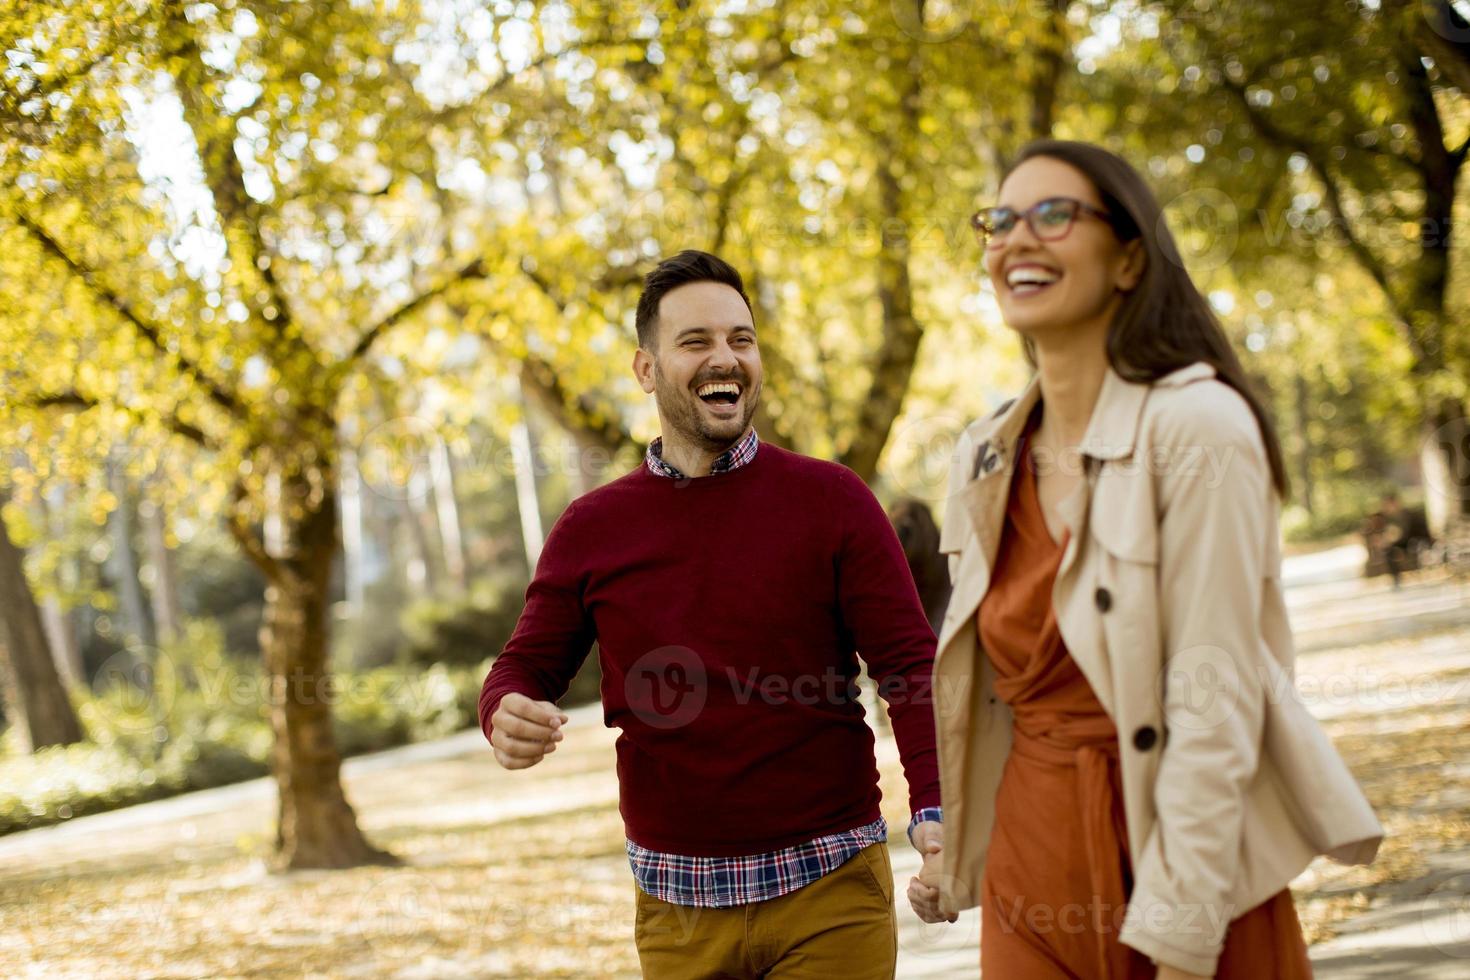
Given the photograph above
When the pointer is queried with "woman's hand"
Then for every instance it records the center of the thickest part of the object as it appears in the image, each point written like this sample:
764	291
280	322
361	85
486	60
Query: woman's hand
1174	973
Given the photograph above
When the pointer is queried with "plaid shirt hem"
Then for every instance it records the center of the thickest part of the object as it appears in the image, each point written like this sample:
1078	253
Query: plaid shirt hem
722	882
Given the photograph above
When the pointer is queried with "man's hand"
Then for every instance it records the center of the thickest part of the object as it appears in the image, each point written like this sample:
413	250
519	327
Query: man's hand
923	891
524	731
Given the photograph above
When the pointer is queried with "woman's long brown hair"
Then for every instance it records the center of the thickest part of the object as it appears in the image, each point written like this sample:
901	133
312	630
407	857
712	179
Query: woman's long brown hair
1164	323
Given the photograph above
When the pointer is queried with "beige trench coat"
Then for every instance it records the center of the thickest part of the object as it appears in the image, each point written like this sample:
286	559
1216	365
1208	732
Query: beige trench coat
1169	598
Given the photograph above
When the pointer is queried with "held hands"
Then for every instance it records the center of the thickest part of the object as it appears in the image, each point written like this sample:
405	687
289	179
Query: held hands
923	891
524	731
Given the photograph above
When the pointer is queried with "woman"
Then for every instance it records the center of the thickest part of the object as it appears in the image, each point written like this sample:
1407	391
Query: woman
1129	781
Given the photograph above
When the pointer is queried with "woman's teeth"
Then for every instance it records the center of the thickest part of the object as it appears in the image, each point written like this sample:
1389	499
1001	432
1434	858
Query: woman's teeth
1030	279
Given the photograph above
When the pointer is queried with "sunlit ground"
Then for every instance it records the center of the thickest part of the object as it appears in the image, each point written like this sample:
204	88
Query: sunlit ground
523	874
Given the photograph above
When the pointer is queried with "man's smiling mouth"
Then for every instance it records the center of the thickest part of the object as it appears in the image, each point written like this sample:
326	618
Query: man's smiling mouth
719	392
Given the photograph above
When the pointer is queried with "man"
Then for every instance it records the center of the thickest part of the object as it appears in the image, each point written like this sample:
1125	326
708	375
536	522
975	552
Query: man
728	585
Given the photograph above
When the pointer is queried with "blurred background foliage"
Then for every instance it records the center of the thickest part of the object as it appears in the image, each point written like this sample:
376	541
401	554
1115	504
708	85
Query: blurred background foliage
323	311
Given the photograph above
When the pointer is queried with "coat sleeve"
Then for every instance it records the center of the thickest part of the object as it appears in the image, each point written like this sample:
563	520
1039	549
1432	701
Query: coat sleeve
1215	502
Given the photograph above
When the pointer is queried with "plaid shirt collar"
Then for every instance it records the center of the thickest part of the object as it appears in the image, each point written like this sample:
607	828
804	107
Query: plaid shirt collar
733	458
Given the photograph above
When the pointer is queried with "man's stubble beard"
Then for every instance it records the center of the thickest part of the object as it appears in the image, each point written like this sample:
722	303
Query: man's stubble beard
677	406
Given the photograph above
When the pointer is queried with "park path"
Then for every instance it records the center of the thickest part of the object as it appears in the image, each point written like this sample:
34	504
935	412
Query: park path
523	874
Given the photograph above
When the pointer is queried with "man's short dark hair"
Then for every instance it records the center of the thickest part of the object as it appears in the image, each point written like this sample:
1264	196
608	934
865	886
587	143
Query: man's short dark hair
688	266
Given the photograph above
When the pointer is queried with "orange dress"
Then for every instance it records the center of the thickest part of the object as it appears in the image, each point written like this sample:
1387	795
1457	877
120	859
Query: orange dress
1058	873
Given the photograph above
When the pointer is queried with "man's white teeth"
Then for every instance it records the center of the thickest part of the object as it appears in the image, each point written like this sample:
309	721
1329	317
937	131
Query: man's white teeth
1031	276
715	388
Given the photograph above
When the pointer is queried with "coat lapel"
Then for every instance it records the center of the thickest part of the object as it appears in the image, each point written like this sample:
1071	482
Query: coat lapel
1111	435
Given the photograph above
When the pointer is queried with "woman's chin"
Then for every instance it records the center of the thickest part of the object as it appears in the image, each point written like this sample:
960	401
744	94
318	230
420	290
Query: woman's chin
1036	323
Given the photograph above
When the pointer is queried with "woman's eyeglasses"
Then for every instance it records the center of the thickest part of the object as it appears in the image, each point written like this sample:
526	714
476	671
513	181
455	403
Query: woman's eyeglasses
1049	220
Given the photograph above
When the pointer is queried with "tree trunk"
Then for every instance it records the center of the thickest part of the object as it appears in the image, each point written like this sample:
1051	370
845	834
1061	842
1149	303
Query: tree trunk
61	622
36	701
139	624
353	532
894	367
422	571
1445	462
167	612
446	506
1052	63
61	637
523	453
317	827
1302	417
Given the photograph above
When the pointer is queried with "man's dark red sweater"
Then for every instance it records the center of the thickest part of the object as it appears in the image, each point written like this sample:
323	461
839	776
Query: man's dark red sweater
728	611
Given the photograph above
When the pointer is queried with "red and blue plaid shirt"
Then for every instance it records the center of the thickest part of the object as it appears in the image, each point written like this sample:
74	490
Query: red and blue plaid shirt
721	882
731	459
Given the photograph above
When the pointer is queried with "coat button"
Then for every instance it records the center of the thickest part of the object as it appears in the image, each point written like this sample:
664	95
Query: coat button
1104	600
1145	738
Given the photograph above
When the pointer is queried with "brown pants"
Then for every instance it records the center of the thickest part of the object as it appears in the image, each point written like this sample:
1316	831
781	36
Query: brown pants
841	925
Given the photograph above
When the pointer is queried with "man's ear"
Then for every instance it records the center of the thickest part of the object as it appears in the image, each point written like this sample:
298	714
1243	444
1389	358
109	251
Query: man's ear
1135	261
643	370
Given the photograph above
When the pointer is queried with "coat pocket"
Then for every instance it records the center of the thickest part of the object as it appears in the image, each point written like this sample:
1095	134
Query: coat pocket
1122	517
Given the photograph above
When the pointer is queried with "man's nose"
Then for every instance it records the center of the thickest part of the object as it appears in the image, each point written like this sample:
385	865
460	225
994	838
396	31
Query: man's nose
723	356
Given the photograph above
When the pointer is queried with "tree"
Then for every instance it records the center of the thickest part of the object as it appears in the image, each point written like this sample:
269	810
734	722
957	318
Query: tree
1360	107
232	328
35	700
